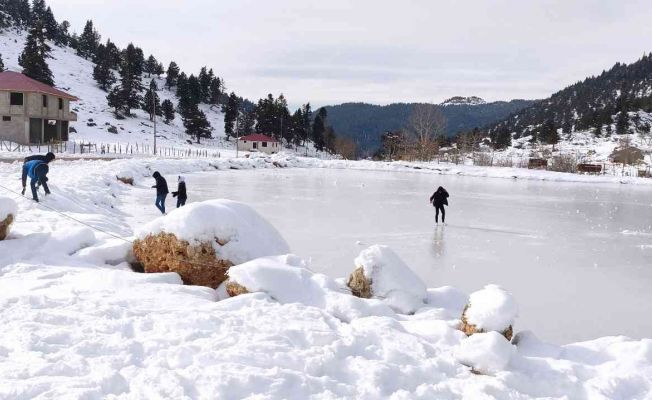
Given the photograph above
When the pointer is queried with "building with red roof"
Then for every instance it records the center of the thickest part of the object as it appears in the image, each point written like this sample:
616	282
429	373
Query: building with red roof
258	142
33	112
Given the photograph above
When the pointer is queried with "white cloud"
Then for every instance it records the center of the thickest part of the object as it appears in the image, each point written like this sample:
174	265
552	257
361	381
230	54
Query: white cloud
380	51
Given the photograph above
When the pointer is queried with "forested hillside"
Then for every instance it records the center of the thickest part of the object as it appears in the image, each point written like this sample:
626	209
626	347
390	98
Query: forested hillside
365	123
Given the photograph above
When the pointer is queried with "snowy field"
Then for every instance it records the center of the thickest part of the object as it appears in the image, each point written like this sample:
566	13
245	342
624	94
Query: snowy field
79	324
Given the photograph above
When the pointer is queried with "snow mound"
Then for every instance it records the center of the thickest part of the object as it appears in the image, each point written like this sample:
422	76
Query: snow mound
486	353
491	309
236	232
7	207
391	279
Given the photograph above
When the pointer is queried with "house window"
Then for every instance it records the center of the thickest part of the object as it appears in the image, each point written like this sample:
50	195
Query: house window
60	104
255	145
16	99
45	101
6	118
264	144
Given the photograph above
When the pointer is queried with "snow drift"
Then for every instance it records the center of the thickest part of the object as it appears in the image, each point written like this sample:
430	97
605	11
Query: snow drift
490	309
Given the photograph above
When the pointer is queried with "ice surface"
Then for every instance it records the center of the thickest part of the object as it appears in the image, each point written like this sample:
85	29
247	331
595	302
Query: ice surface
391	279
247	234
491	309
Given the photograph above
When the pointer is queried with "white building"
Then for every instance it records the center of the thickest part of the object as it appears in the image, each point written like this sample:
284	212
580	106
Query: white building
258	142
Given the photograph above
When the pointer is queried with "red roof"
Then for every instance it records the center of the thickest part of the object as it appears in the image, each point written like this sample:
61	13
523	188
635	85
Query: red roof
10	80
258	137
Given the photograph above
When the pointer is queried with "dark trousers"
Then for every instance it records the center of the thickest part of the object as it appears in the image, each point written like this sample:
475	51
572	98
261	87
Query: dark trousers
160	202
443	213
32	185
181	201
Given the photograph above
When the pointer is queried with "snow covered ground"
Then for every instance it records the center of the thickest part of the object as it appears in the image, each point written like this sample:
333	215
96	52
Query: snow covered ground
79	324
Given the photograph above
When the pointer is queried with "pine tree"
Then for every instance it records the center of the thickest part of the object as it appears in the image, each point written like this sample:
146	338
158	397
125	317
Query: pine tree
168	111
319	129
159	70
2	64
205	80
103	75
230	115
64	34
245	123
88	42
51	27
113	55
501	138
33	56
150	66
151	102
306	132
215	91
194	89
622	123
127	96
172	75
116	100
38	11
195	122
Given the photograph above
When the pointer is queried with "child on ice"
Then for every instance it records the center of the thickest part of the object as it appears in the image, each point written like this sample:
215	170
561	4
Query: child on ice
439	199
180	194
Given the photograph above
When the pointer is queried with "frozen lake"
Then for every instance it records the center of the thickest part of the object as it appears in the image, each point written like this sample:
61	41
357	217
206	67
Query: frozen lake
578	257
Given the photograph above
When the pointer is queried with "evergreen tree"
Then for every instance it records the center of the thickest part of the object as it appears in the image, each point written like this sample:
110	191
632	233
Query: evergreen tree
306	132
33	56
168	111
150	66
51	27
319	129
622	123
330	139
127	96
195	122
159	70
151	102
172	75
64	34
112	55
18	11
549	134
183	94
2	64
205	80
116	100
88	42
230	115
102	72
501	138
194	89
215	91
245	123
38	12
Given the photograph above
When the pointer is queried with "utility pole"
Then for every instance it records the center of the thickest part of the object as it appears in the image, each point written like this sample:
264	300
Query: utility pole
151	88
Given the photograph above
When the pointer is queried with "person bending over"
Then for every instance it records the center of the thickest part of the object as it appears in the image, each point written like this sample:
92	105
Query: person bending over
439	199
37	171
48	158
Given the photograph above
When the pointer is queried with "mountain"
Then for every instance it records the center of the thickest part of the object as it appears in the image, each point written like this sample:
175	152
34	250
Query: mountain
463	101
365	123
601	104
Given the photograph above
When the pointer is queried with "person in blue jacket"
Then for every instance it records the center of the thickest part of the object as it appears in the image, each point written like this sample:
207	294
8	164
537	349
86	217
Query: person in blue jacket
161	191
37	171
48	158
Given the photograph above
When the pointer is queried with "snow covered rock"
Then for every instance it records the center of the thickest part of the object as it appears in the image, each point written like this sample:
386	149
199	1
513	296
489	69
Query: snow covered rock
201	241
8	212
380	273
490	309
485	353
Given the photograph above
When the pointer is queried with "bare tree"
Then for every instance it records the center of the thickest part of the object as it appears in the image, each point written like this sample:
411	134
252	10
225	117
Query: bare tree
426	123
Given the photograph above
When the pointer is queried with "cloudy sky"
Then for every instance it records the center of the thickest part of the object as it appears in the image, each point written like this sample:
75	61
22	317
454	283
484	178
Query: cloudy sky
381	51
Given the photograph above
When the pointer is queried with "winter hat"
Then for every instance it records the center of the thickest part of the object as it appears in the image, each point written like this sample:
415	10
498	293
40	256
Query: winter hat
181	179
156	174
50	156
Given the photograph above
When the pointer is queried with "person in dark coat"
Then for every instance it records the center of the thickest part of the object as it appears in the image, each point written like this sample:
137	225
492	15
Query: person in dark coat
439	199
180	194
37	171
48	158
161	191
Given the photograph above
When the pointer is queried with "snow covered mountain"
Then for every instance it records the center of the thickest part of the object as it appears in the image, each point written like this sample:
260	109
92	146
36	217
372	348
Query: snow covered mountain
463	101
74	74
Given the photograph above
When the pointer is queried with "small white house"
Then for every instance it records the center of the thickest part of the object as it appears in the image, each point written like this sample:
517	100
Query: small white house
258	142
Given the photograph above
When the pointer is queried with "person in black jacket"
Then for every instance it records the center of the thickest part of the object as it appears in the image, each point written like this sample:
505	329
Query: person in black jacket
161	191
439	199
48	158
180	194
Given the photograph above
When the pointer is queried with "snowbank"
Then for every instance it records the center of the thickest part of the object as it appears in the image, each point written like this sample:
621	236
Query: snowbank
486	353
490	309
236	232
391	279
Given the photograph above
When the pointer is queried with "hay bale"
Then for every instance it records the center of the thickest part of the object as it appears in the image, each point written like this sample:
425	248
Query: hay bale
470	329
491	309
202	240
5	224
196	264
359	284
125	180
235	289
8	212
